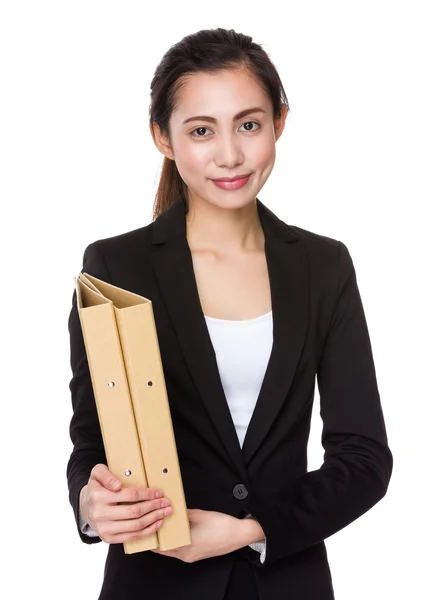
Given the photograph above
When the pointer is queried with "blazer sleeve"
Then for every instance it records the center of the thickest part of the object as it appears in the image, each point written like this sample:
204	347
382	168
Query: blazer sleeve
84	430
357	463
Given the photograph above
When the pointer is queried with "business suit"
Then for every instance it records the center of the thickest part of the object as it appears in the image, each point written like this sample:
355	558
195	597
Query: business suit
319	329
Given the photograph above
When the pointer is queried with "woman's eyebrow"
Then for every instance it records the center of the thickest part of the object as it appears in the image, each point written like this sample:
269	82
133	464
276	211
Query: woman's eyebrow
241	114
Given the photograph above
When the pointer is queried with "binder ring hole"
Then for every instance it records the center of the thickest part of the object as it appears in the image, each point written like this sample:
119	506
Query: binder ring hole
128	473
111	384
164	470
149	384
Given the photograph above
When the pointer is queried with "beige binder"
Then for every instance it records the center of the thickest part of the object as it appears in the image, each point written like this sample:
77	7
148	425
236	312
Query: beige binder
121	340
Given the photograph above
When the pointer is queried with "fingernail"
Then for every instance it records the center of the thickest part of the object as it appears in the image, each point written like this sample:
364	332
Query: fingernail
116	483
158	494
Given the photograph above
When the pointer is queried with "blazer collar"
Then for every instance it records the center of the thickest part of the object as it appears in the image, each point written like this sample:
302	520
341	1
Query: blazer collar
288	275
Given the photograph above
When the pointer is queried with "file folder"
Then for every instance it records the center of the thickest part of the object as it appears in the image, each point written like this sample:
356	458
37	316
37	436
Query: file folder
133	409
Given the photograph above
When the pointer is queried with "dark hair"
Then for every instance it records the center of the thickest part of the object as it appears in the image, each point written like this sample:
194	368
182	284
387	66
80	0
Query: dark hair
208	50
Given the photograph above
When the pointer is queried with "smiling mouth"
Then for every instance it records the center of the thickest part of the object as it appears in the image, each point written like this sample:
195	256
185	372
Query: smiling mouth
228	179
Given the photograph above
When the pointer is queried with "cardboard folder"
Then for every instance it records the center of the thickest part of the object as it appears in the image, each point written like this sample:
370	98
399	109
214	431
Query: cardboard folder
125	364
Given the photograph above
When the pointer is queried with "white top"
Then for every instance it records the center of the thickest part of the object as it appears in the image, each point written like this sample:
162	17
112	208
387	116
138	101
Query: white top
242	350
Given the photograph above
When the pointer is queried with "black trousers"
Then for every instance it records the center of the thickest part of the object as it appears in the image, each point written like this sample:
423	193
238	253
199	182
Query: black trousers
241	583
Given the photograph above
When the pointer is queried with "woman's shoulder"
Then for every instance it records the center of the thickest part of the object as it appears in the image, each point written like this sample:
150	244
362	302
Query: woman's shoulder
118	254
315	243
125	239
327	255
127	243
313	237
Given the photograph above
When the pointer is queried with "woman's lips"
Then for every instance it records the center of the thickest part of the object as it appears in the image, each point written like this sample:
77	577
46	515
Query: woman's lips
231	185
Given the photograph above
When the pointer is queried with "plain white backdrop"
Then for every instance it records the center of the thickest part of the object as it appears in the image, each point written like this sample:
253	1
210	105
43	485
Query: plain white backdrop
78	164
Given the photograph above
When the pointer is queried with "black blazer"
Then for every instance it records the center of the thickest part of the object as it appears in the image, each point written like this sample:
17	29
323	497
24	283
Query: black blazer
319	328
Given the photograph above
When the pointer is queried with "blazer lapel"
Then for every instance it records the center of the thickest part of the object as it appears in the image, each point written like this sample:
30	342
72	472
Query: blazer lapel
287	267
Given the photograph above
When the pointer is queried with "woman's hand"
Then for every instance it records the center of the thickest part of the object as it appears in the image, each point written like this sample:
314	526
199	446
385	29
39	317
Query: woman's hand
120	514
212	534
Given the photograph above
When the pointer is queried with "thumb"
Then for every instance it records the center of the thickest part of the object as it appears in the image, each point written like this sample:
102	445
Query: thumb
105	477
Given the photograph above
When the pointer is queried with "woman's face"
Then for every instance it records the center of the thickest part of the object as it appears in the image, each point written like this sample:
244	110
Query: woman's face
215	142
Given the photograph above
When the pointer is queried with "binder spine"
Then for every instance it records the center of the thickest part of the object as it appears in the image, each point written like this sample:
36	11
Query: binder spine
138	335
113	400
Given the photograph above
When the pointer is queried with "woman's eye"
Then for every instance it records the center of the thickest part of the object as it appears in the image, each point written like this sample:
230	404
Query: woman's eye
250	123
206	129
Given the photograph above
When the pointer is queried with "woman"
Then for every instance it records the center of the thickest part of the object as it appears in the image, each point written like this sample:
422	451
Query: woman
248	311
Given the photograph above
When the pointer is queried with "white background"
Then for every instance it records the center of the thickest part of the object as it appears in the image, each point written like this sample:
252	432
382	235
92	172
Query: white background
78	164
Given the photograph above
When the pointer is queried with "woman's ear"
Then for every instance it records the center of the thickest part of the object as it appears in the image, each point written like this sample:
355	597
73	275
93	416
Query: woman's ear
280	122
162	141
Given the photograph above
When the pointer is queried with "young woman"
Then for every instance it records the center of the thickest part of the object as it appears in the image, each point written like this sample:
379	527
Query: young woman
248	310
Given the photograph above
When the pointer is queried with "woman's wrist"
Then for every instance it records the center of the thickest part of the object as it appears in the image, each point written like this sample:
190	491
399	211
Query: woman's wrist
251	531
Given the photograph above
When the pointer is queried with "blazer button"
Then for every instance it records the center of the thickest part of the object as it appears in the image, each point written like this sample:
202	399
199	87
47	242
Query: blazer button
240	491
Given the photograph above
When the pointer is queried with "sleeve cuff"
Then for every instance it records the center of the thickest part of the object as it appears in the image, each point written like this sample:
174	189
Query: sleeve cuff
85	527
259	546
